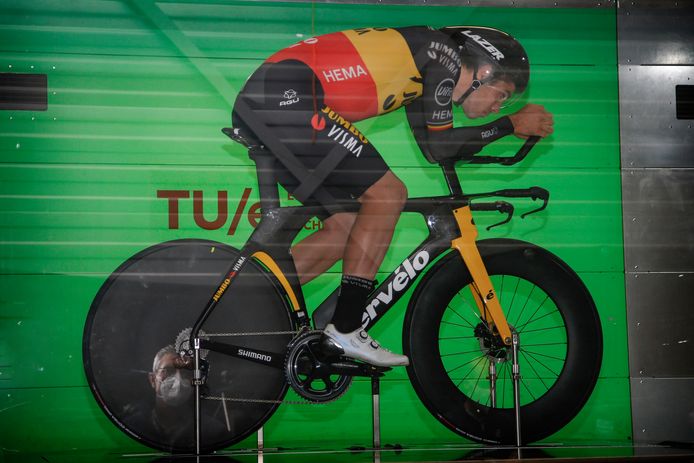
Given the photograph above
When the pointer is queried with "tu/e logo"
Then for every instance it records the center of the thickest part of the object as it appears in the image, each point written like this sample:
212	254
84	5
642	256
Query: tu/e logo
178	206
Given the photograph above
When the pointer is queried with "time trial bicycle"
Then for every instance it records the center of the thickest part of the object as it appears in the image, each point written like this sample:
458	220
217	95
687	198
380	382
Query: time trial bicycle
191	345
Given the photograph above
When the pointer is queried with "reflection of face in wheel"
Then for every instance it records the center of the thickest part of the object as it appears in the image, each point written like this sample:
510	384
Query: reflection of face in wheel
171	384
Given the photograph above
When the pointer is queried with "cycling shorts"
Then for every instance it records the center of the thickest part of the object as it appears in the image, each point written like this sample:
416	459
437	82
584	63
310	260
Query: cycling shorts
288	98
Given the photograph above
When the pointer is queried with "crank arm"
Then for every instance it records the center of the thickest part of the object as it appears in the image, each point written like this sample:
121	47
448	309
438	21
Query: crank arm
348	368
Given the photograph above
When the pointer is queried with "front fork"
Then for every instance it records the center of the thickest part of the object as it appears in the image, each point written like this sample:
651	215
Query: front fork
482	289
488	304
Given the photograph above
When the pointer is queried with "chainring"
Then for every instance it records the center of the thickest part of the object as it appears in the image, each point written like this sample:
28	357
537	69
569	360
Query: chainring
309	374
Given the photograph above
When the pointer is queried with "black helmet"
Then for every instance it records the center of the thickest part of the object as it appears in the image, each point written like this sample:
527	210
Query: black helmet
485	45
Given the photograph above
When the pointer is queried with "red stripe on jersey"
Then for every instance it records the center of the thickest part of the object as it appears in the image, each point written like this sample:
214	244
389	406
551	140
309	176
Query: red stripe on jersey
347	83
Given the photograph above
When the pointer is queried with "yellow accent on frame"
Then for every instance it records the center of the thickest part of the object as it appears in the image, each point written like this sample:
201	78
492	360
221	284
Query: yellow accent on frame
275	269
482	288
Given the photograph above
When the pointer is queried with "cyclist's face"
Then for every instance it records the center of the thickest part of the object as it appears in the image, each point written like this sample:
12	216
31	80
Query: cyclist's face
165	369
487	99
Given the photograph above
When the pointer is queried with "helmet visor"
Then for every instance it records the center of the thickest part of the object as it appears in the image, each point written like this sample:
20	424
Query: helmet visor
504	95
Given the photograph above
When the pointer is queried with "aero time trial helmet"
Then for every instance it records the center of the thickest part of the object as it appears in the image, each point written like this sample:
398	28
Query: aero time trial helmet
506	57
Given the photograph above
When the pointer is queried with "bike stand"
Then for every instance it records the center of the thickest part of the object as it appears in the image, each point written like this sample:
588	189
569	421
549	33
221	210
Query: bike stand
516	388
376	416
516	377
376	410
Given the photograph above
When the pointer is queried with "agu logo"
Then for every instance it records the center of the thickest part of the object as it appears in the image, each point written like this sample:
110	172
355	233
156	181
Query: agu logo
290	97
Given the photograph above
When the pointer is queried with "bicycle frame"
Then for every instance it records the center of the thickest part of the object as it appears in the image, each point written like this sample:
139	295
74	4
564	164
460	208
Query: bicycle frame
450	225
271	241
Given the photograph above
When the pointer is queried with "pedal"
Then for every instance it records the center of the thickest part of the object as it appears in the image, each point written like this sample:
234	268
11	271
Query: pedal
375	372
334	355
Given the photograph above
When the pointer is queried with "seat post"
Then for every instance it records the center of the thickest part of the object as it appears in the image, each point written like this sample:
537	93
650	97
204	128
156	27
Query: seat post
267	181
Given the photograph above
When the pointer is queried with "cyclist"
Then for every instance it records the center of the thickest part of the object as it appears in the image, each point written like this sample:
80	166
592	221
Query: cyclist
309	95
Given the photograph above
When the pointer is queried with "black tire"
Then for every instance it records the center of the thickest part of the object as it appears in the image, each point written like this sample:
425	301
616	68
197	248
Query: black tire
560	344
143	306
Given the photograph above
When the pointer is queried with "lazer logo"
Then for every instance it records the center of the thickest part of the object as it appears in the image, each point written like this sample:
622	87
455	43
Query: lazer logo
404	275
254	355
486	45
489	133
340	74
290	96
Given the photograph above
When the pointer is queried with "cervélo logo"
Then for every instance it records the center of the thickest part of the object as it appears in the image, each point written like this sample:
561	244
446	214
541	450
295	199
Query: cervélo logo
404	275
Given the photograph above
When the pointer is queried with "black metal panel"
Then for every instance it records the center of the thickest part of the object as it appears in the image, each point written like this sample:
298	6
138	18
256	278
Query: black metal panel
28	92
656	32
660	318
651	133
658	207
663	410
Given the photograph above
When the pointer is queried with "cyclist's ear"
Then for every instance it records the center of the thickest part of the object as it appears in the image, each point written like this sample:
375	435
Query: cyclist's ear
152	380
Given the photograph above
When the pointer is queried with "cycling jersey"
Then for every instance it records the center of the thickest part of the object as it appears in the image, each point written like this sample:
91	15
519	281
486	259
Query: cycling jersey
309	95
371	71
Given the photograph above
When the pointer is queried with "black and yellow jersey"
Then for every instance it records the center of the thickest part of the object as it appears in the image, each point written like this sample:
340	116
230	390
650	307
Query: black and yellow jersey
371	71
360	73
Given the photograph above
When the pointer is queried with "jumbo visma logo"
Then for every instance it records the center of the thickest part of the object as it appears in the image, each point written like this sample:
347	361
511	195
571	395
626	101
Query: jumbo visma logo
342	131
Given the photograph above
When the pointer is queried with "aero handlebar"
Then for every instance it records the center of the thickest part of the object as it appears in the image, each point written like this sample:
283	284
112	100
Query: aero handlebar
505	160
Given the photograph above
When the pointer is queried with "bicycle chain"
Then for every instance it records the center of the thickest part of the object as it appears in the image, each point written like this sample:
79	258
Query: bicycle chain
262	401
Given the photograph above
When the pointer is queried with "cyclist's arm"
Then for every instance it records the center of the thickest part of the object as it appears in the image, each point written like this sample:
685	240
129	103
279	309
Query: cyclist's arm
465	142
431	120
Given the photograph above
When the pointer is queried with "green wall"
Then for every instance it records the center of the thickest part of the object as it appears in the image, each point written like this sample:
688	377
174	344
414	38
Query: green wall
138	92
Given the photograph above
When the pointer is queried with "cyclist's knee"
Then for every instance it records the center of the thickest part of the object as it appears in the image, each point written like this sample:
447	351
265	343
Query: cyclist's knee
388	189
339	224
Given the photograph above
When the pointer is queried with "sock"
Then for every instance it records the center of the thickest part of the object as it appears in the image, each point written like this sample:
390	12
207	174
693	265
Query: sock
353	294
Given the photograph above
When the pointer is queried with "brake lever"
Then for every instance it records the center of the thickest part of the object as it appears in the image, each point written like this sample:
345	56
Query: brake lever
536	193
502	206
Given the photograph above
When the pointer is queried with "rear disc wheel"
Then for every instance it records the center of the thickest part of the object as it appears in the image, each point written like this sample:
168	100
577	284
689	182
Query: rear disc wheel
132	334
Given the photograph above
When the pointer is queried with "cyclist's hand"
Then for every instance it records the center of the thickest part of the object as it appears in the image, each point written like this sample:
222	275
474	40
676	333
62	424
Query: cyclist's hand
531	120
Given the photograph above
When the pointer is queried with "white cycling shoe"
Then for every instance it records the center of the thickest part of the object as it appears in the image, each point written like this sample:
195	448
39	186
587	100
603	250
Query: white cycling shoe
360	346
